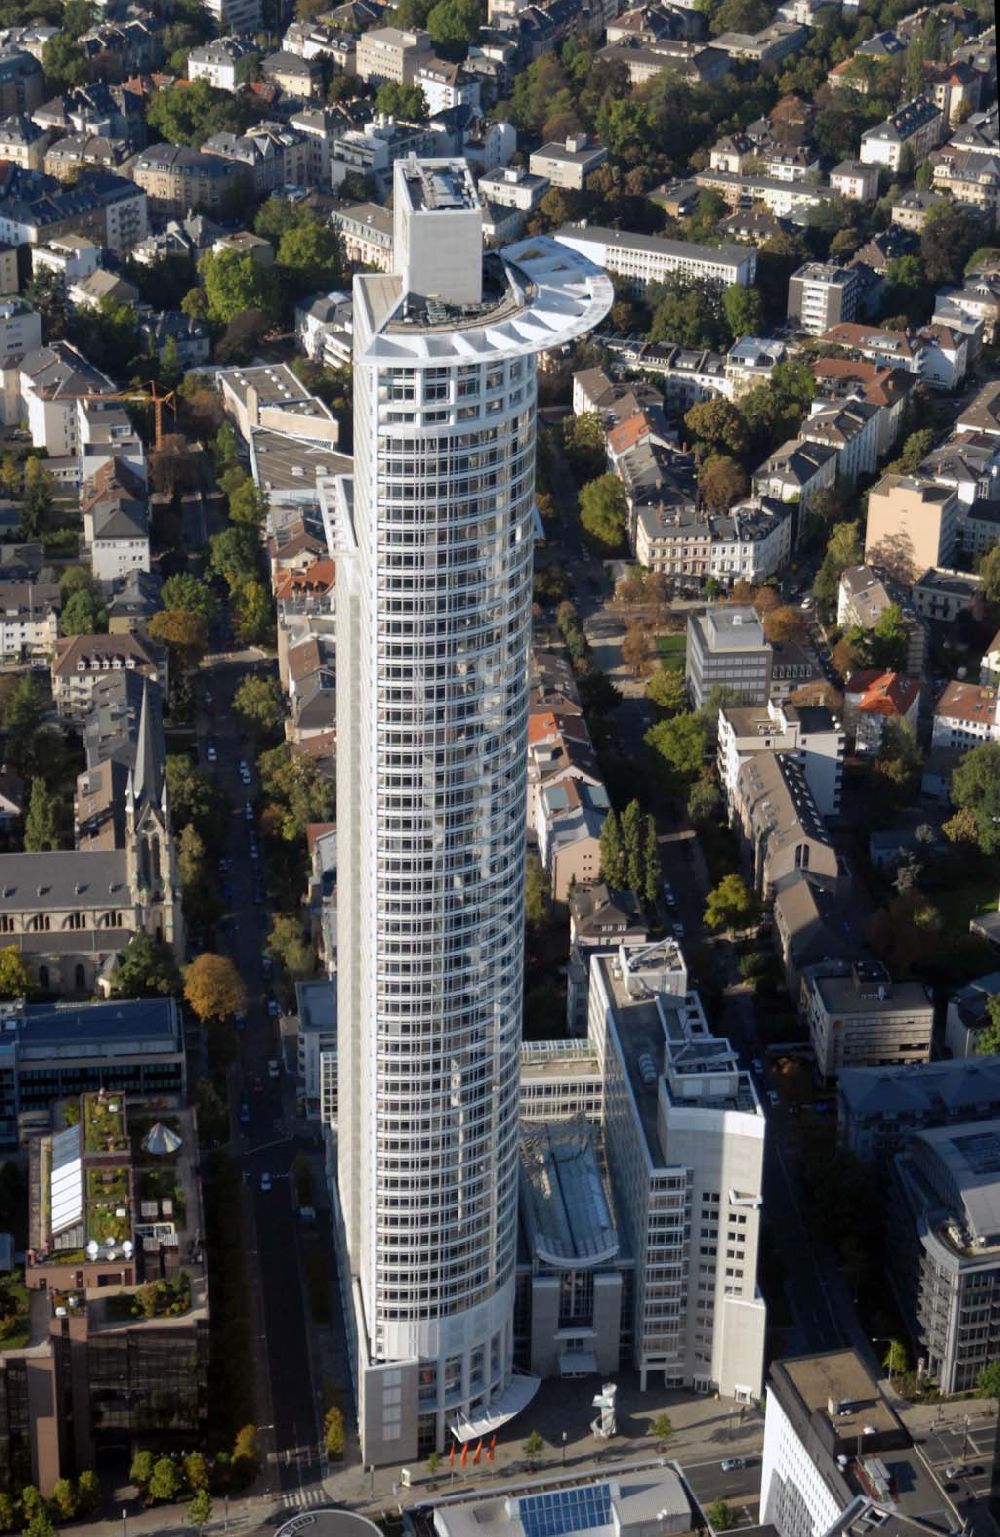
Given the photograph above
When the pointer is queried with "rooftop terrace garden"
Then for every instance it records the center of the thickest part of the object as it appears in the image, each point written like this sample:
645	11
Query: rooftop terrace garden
104	1124
15	1316
108	1205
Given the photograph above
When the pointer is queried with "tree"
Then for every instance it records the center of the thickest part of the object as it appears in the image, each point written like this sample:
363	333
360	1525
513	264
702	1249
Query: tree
258	703
302	793
433	1465
165	1483
585	444
946	239
88	1494
214	988
199	1511
247	504
47	294
83	613
14	979
782	624
680	743
719	1516
8	1513
334	1438
184	634
454	22
843	549
36	509
612	851
64	1499
141	1471
743	310
899	760
889	639
64	62
234	554
602	512
188	594
989	570
252	611
534	1446
704	801
722	481
310	255
287	944
661	1429
235	284
404	102
719	424
147	969
975	789
196	1470
988	1381
191	856
40	825
652	865
895	1359
635	647
536	891
190	113
988	1038
632	831
731	904
666	689
246	1447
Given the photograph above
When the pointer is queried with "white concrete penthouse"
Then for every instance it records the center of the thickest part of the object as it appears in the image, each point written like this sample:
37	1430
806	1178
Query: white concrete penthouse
434	555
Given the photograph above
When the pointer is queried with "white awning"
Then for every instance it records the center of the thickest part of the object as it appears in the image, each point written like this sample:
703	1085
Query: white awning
517	1395
577	1363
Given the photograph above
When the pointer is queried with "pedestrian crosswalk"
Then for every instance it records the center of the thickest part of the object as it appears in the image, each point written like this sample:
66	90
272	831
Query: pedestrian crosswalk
306	1498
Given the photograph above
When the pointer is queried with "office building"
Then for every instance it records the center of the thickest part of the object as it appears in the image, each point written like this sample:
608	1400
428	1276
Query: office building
857	1016
645	259
568	165
877	1107
726	649
432	783
830	1438
622	1503
944	1238
821	295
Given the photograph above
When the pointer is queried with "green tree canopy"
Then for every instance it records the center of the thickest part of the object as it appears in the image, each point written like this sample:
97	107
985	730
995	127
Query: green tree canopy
190	113
602	512
680	744
190	595
287	944
975	790
83	613
666	689
14	979
235	283
743	309
258	703
147	969
41	828
843	549
612	851
406	103
310	255
454	23
720	425
731	904
988	1381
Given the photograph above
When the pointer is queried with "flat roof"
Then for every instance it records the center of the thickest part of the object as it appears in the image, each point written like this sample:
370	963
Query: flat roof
841	996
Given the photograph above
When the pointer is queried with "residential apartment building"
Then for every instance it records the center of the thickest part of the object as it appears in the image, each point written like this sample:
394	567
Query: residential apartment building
50	382
855	180
780	826
943	1236
945	595
20	331
811	734
852	430
568	165
509	187
937	354
726	649
29	620
863	597
684	1141
857	1016
431	1323
390	54
878	1107
570	817
227	63
645	259
821	295
872	697
965	715
178	180
912	132
365	231
795	472
911	526
81	661
601	920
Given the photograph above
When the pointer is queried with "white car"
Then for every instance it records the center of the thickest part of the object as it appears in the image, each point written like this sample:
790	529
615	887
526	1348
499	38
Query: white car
210	752
273	1070
807	602
265	1181
678	930
248	811
773	1097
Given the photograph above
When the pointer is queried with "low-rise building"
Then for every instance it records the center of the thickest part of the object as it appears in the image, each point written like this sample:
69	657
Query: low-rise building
945	595
226	63
796	472
937	354
571	815
877	1107
811	734
600	922
568	165
968	1015
852	430
507	187
273	397
29	620
726	649
645	259
324	327
178	180
779	823
365	231
874	696
858	1017
965	715
391	54
855	180
316	1037
887	388
81	661
863	597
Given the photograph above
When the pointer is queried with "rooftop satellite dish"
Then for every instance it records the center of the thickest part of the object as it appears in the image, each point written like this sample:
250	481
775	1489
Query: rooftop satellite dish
92	1250
127	1248
110	1249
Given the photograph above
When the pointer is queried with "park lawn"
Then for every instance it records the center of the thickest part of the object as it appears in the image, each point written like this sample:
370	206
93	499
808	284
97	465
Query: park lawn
672	649
957	903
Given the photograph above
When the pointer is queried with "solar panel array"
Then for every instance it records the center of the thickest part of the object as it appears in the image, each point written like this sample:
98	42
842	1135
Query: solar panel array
565	1510
66	1180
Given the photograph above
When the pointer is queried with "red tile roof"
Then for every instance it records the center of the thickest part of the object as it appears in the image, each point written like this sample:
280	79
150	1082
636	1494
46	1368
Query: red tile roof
883	693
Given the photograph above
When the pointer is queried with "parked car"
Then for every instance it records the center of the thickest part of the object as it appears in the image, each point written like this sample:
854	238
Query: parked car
244	1114
210	752
248	811
733	1464
773	1097
265	1180
758	1067
274	1068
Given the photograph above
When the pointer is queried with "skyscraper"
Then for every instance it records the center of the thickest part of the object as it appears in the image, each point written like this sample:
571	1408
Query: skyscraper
434	551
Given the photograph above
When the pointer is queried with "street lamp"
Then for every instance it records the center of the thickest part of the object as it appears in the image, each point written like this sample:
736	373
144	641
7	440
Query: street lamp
564	1448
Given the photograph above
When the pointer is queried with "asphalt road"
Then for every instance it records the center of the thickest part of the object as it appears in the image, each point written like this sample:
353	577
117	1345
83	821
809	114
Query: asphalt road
268	1140
740	1488
970	1448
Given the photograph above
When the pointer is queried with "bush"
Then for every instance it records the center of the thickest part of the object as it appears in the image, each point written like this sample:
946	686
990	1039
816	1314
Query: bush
334	1439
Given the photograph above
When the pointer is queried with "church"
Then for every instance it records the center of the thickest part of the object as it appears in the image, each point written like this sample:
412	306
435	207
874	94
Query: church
71	913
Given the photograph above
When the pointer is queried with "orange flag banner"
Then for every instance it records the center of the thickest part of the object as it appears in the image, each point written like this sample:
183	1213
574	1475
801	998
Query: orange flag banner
465	1454
477	1453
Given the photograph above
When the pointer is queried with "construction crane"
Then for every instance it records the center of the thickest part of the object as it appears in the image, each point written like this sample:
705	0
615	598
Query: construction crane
151	395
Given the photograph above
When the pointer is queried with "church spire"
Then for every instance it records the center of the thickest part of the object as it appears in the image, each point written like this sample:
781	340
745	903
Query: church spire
146	785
